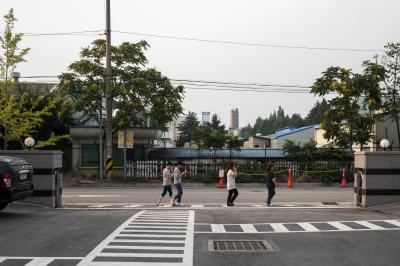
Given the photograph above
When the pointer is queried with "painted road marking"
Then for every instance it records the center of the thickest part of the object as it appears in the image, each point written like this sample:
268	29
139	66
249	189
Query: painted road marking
40	261
278	227
218	228
396	223
338	226
99	206
370	225
308	227
147	244
248	228
210	206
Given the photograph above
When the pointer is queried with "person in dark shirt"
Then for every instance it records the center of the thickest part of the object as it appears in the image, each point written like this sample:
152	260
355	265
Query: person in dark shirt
271	183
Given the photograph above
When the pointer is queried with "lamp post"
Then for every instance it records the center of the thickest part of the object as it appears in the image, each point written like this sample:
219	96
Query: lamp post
29	142
384	144
164	138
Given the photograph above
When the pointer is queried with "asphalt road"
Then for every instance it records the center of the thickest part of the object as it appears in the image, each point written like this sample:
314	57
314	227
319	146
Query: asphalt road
255	195
31	232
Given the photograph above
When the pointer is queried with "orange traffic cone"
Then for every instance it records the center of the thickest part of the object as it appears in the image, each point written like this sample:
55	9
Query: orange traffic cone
290	181
344	182
221	183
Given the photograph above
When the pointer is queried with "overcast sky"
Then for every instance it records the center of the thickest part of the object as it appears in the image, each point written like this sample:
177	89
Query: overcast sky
357	24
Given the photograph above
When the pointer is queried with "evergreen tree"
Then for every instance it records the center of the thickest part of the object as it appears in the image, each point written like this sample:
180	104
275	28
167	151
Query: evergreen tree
316	114
187	129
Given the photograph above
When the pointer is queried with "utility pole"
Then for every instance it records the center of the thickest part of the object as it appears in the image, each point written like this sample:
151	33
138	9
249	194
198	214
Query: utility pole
109	99
101	141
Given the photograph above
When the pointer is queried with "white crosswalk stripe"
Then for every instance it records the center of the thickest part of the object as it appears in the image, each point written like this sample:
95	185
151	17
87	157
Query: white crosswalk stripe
219	228
340	226
278	227
40	261
148	238
329	226
308	227
396	223
370	225
248	228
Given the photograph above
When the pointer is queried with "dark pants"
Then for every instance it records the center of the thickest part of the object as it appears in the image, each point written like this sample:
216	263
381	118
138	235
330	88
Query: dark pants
271	194
233	193
179	192
167	189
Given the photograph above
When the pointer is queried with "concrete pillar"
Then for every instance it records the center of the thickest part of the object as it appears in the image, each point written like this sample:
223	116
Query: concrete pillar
47	176
377	177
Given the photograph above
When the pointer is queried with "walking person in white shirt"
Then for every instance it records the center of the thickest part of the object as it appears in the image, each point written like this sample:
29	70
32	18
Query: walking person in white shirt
178	173
231	184
167	175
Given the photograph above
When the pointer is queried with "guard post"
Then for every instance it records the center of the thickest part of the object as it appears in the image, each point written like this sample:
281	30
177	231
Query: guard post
377	178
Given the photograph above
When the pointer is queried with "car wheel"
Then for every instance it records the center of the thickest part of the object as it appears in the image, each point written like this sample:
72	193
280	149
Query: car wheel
3	205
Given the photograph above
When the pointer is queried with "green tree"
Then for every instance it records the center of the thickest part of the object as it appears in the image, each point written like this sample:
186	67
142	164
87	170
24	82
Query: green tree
187	130
26	114
11	120
350	117
138	93
234	143
390	62
216	124
11	54
316	114
54	128
215	139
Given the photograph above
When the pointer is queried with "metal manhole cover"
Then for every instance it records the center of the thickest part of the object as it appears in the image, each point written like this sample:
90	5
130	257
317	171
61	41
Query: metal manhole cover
239	245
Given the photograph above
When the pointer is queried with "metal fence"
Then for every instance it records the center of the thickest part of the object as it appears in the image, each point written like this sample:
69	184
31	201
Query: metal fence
153	169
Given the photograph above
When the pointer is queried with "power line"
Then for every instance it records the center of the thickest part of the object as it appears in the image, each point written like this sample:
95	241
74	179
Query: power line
189	81
249	44
239	87
248	90
228	86
79	33
101	32
206	82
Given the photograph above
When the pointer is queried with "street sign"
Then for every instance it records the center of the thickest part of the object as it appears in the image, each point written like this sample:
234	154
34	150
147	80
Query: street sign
121	139
221	173
129	139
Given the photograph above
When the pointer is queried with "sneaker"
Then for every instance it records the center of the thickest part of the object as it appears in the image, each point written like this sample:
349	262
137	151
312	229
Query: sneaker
229	204
158	205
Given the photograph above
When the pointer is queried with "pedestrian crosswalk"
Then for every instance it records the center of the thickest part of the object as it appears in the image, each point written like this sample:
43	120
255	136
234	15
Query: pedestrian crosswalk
39	261
329	226
166	237
148	238
211	206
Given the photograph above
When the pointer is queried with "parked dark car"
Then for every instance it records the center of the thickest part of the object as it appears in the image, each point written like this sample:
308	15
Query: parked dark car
16	180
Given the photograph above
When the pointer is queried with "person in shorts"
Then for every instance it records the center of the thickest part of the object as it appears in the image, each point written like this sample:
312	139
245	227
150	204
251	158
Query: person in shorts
167	175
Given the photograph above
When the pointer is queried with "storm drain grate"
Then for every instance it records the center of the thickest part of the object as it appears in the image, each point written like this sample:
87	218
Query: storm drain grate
329	203
239	245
